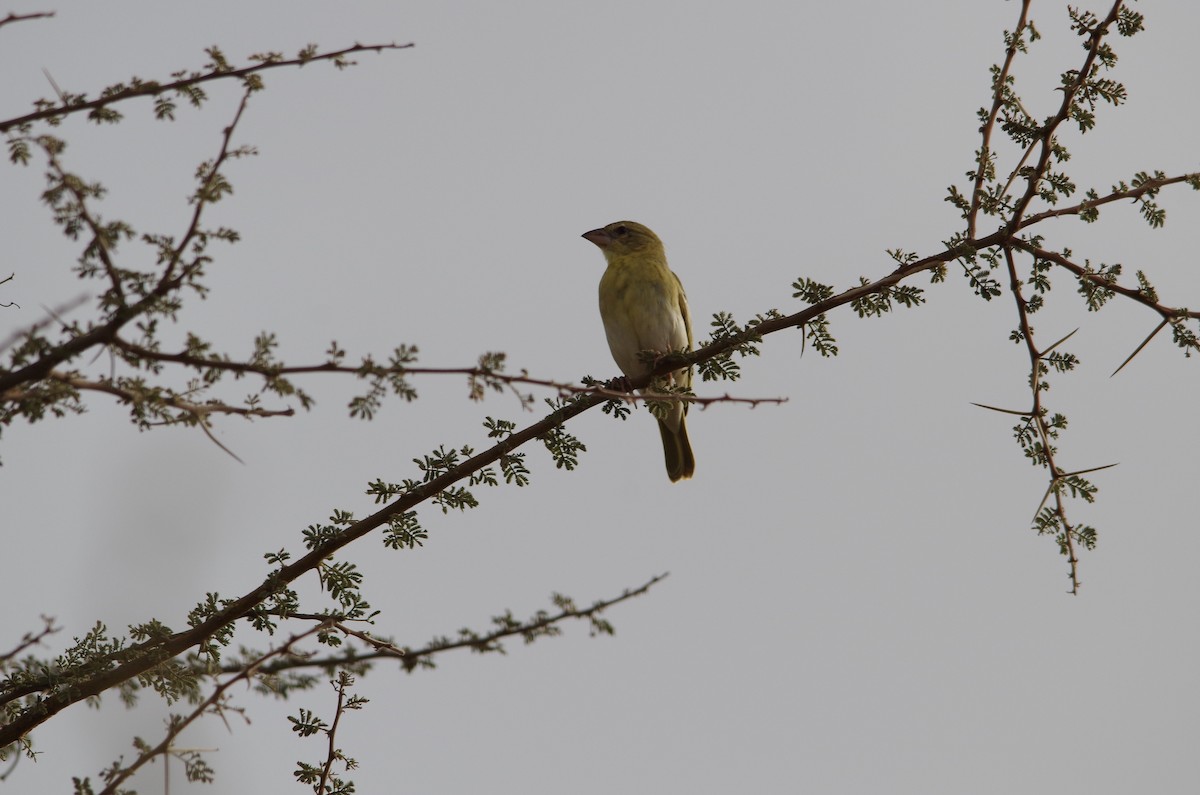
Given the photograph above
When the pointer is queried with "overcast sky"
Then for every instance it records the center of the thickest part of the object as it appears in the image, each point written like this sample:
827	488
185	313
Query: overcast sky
856	601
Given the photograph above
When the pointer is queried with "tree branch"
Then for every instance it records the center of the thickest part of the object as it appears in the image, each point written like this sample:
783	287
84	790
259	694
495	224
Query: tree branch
412	658
1043	451
152	88
12	17
1046	137
999	92
124	313
30	639
1167	312
116	777
1149	186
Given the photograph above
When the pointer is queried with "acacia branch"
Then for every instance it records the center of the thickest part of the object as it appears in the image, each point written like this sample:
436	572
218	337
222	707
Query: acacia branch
53	315
1167	312
144	656
1046	137
13	17
99	237
150	89
412	658
30	639
369	369
1037	416
198	412
333	754
140	658
1149	186
124	313
998	91
176	726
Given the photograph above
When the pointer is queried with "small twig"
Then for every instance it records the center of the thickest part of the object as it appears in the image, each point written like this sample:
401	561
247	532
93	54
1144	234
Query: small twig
31	639
6	279
331	733
53	315
98	237
25	17
198	411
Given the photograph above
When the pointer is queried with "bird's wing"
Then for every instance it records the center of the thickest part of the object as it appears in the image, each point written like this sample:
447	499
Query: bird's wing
684	377
683	310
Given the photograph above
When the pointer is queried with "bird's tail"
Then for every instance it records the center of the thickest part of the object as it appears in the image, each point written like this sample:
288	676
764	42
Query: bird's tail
677	450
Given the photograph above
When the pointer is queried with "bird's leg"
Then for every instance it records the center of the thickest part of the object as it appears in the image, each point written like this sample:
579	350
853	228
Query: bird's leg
620	384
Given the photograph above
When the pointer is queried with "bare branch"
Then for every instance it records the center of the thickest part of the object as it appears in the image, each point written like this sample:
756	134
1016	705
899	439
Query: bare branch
6	279
25	17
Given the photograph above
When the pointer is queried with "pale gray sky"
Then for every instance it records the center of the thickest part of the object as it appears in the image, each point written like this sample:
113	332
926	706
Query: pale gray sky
856	603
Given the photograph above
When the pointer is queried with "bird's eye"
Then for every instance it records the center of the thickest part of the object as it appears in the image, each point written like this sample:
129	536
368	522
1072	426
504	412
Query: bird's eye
622	230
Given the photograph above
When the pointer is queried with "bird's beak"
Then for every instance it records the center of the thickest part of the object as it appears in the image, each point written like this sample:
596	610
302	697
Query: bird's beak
599	237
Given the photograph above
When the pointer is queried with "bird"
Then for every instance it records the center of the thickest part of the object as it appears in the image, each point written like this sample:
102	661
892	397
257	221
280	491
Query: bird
644	308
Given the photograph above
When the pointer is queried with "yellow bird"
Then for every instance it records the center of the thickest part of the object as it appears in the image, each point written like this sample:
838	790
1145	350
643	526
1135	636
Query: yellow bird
644	308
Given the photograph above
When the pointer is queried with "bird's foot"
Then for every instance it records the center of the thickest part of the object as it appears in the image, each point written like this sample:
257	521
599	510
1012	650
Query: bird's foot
620	384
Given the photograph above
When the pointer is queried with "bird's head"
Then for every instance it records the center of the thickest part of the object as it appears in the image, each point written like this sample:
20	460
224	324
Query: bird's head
623	237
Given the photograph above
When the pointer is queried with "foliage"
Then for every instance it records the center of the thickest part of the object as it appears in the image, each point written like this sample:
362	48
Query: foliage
1020	182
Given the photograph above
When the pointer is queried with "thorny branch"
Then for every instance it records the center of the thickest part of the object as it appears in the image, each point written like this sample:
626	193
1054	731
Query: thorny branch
142	657
115	778
173	277
999	89
412	658
199	412
218	72
1036	415
486	376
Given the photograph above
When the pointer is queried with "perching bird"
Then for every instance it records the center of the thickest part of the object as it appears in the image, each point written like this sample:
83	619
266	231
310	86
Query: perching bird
644	308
